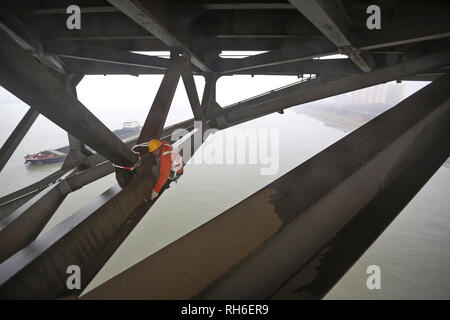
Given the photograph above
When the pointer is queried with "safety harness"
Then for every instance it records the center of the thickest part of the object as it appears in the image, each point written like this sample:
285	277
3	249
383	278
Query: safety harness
177	161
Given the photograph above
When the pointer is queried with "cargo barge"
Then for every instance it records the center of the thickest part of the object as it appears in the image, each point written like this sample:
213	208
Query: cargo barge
129	130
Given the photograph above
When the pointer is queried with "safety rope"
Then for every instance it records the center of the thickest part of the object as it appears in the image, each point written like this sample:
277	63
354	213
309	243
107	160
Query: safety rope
138	162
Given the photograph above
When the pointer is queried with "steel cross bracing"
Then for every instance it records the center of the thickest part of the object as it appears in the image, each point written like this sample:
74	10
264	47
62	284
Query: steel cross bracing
42	67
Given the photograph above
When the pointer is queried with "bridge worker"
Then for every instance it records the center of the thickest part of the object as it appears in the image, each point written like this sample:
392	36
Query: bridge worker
170	165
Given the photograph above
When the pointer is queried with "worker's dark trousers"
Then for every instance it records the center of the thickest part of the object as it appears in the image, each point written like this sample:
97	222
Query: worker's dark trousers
170	179
155	171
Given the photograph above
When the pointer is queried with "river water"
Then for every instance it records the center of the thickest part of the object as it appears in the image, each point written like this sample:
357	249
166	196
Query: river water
412	253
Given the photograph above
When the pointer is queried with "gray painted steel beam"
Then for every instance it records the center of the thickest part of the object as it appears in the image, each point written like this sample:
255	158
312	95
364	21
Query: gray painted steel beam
315	89
313	66
301	52
321	272
71	50
324	197
253	248
399	33
191	90
209	104
9	206
41	184
29	80
21	35
87	238
16	136
97	169
143	16
24	224
235	6
326	66
13	201
329	18
159	110
77	151
103	68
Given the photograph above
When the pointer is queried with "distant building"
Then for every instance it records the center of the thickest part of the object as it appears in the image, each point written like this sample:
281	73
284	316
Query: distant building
389	93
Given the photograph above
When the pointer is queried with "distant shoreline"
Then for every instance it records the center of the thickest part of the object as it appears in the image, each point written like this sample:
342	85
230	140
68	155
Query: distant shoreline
343	118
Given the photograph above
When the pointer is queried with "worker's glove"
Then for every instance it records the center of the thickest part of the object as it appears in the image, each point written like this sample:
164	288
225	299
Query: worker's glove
154	195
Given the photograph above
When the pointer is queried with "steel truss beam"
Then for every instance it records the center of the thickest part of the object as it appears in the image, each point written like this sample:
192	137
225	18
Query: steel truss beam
191	90
32	83
159	110
95	168
78	151
252	250
237	6
329	17
301	52
72	50
87	238
360	174
16	136
315	89
399	33
24	224
314	66
146	18
209	105
21	35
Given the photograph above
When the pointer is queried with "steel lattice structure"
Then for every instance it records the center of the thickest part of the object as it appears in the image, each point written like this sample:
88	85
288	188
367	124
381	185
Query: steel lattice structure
271	244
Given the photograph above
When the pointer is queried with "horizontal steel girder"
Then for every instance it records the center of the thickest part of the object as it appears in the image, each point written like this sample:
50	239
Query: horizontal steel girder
399	33
73	50
140	14
301	52
314	89
252	249
29	80
330	18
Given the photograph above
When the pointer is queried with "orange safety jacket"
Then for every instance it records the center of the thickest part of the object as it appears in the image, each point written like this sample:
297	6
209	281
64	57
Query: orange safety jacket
169	160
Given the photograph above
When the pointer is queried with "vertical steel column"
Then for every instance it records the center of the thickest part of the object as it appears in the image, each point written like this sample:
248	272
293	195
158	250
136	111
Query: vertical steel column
16	136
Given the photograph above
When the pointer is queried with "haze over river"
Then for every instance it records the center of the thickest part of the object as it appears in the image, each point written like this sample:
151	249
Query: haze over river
413	253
